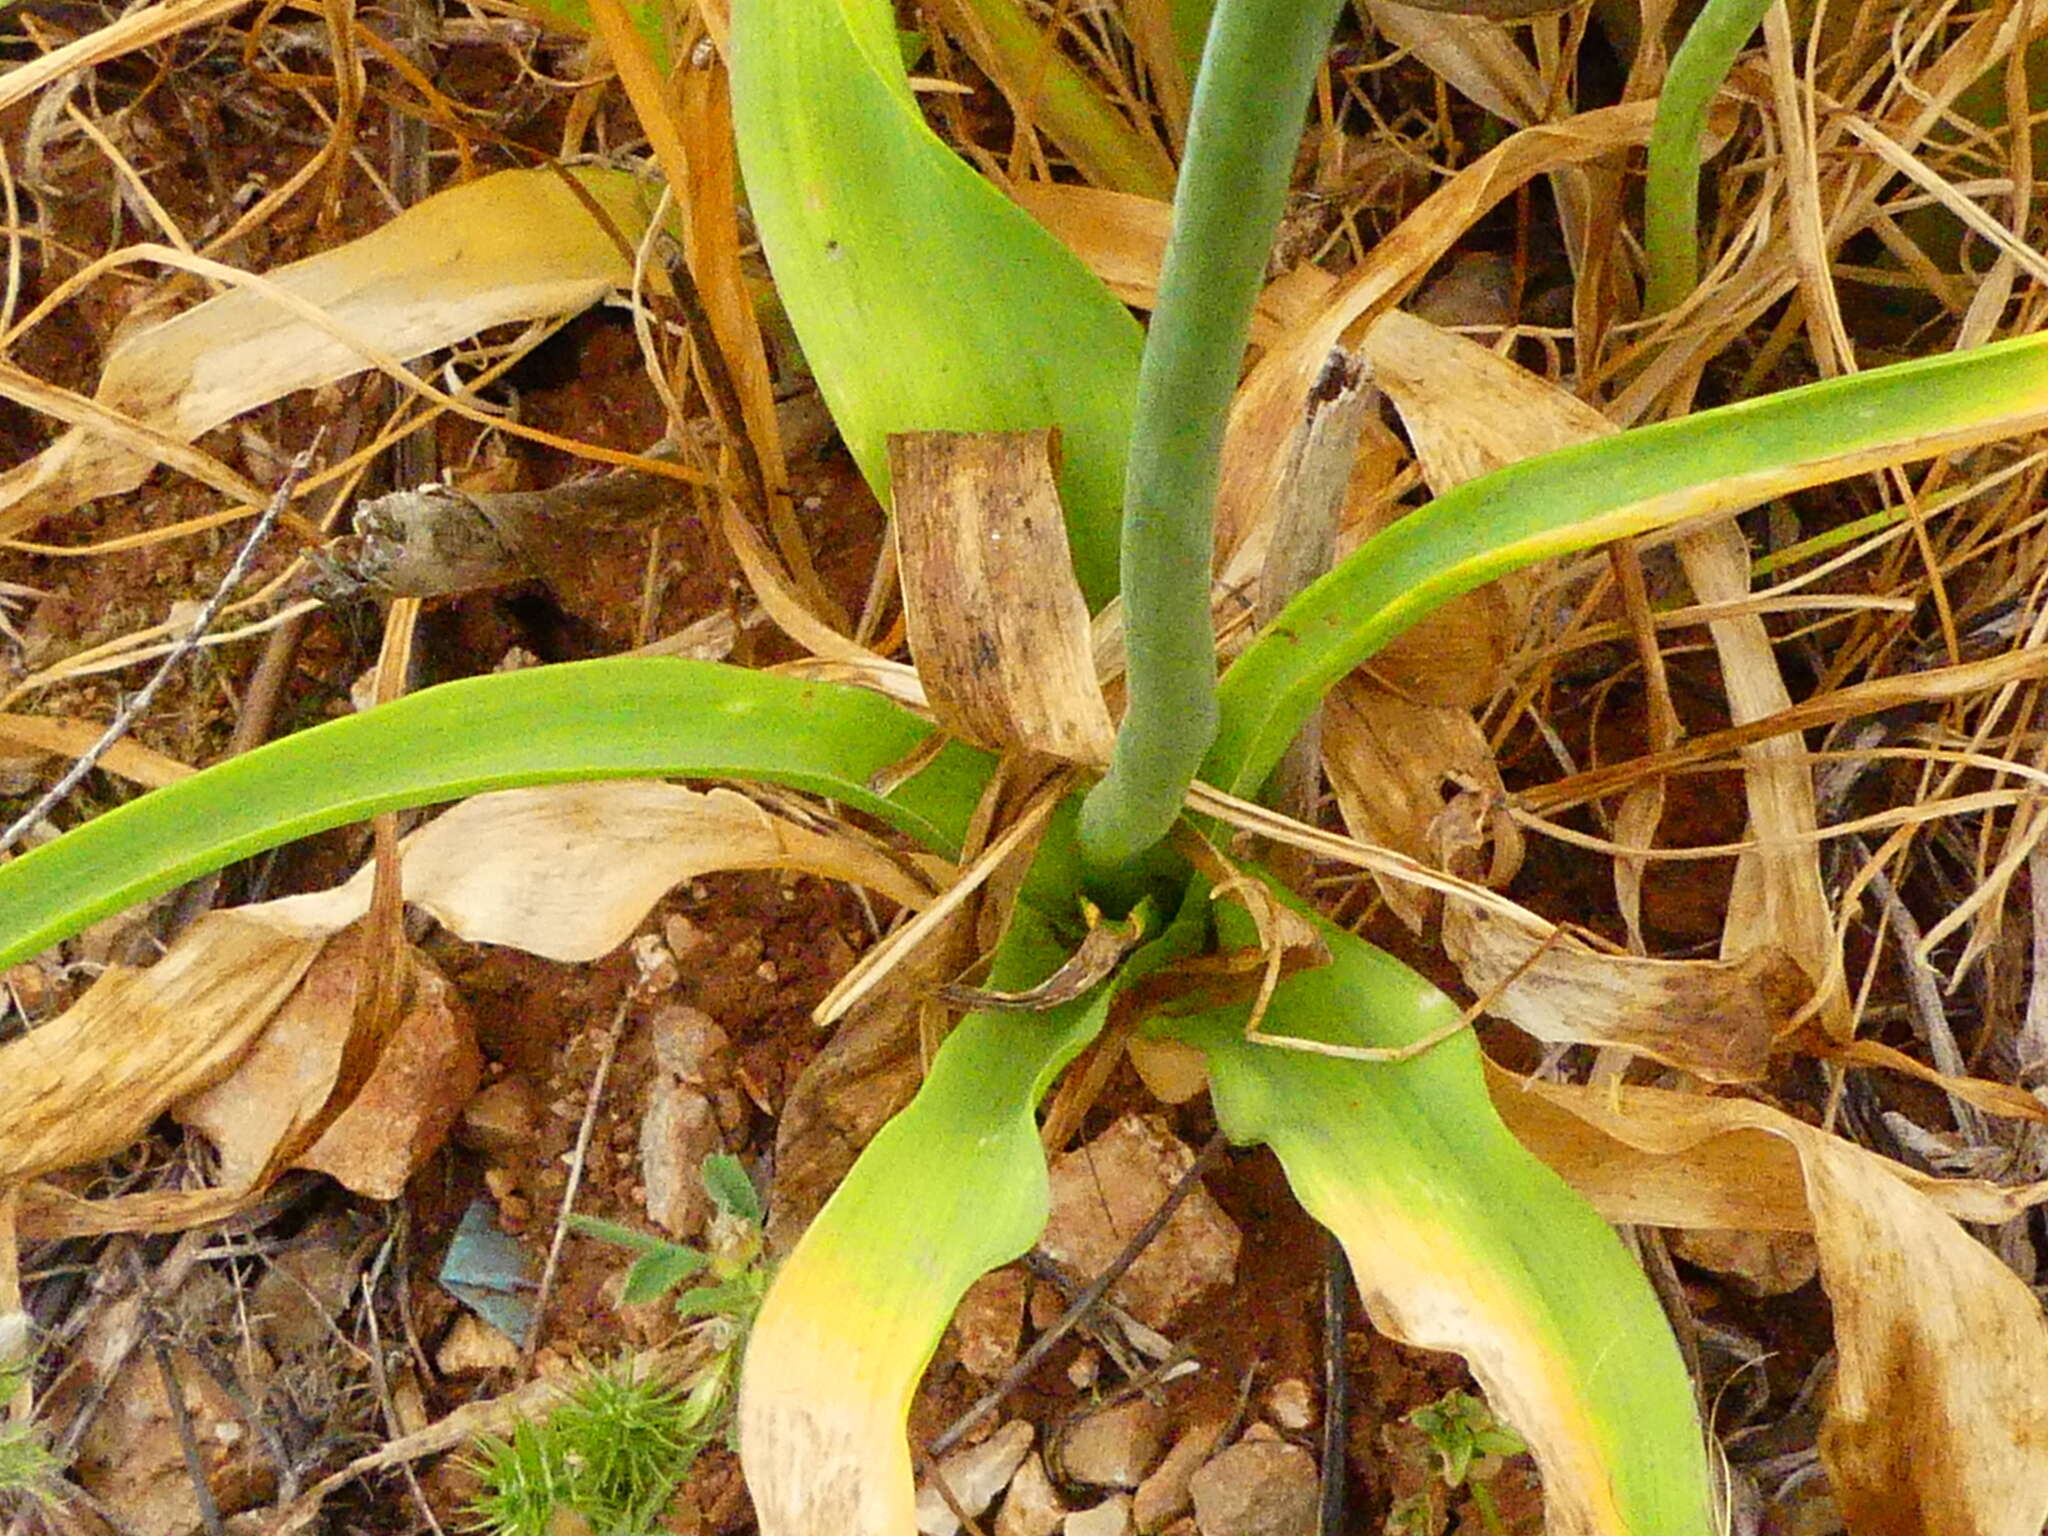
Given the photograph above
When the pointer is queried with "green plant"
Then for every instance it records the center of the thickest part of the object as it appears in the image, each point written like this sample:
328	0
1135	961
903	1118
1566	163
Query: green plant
610	1455
924	301
26	1466
737	1275
614	1452
1469	1443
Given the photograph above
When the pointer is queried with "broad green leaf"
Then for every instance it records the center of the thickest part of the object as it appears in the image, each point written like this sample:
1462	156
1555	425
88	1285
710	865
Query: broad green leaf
628	717
952	1187
1716	461
1460	1238
924	299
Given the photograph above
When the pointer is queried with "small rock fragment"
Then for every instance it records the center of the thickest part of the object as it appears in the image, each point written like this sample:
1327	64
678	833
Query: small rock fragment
974	1477
1291	1404
1084	1369
690	1045
677	1132
990	1318
473	1346
1104	1191
1112	1517
1032	1507
1256	1488
1114	1448
1164	1494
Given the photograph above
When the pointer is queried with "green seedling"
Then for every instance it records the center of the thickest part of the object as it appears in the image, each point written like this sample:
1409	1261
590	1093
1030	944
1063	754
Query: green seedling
27	1468
924	300
733	1265
614	1453
1469	1443
610	1457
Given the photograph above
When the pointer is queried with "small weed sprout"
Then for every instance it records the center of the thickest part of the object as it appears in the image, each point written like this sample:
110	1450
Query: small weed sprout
1469	1444
610	1458
27	1469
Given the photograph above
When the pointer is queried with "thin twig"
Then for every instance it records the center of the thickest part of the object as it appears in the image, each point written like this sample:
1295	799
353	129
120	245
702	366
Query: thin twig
608	1052
174	1399
1336	1386
1923	999
124	721
1085	1302
381	1379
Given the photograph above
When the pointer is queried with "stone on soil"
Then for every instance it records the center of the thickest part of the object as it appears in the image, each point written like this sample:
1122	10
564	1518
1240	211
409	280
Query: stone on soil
974	1476
1256	1488
990	1318
1291	1404
1104	1191
1116	1447
473	1346
678	1130
1164	1494
1112	1517
1032	1507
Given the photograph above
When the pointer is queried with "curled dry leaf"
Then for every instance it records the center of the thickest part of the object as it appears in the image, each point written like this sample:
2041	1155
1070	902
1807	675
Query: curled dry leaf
568	871
565	872
1468	412
996	619
518	245
1938	1422
1270	399
90	1081
275	1111
1122	238
1390	762
1714	1018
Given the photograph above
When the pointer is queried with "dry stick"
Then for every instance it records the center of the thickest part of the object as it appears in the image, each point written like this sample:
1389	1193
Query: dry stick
188	1443
576	1165
1334	1449
381	1379
124	721
1085	1302
1923	998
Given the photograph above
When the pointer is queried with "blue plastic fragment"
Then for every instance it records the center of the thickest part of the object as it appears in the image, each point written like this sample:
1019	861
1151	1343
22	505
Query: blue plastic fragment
490	1272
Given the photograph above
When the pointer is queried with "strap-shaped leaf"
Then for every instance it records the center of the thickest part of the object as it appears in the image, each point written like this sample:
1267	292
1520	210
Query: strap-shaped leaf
1461	1239
924	299
642	717
952	1187
1722	460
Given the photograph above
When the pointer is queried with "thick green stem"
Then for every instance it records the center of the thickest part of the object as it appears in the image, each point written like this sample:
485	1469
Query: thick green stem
1671	193
1257	72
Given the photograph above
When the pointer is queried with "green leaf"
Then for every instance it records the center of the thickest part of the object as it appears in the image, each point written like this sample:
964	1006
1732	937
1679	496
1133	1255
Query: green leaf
1721	460
923	298
628	717
617	1234
726	1182
1460	1238
647	21
952	1187
655	1274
